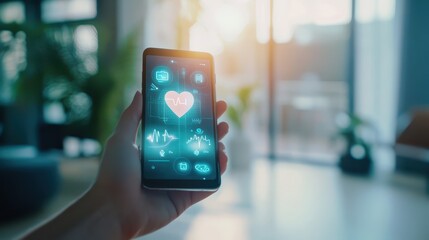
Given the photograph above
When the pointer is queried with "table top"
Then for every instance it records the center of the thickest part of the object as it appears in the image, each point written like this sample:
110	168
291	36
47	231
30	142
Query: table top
278	200
288	200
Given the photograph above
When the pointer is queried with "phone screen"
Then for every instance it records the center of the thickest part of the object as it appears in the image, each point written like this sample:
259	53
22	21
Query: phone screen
179	130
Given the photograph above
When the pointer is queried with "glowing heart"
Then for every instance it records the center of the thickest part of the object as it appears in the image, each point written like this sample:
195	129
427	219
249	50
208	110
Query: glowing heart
179	103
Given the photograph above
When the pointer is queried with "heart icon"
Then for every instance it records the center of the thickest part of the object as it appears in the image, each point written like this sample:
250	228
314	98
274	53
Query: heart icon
179	103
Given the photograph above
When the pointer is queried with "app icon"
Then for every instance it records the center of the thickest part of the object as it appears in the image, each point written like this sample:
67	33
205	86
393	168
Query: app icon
199	78
202	168
182	166
162	76
196	152
162	153
199	131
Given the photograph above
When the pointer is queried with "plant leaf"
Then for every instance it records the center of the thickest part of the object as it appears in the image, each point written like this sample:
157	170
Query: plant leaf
234	116
244	96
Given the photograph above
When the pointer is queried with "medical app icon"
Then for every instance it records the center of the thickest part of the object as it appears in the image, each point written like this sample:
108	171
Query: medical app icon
199	131
179	103
198	79
162	153
182	166
162	75
202	168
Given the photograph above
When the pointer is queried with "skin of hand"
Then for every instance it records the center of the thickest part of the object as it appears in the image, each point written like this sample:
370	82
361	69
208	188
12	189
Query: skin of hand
116	206
141	210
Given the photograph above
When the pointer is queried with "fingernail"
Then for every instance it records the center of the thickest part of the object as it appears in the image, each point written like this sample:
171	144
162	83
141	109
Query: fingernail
135	96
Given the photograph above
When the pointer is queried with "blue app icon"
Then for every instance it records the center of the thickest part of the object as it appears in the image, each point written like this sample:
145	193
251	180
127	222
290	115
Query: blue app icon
199	78
202	168
162	76
183	166
199	131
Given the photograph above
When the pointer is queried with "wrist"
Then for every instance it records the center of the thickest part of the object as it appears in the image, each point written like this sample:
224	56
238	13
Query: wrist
118	209
99	217
90	217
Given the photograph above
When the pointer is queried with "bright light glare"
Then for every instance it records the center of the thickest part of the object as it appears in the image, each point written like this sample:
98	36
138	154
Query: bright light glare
358	151
365	10
290	14
231	21
369	10
12	12
262	20
204	39
332	12
219	22
386	9
86	38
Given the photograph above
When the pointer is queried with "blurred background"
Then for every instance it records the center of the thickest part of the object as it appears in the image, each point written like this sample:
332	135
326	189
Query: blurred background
328	110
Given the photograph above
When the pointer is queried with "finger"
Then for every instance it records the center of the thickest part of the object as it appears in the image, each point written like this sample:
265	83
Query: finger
221	107
130	119
223	161
221	146
222	130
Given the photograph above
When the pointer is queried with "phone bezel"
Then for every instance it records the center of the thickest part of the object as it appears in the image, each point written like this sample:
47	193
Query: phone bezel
178	184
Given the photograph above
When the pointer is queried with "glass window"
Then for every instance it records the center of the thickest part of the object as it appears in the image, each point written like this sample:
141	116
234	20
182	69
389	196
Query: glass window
310	56
12	12
66	10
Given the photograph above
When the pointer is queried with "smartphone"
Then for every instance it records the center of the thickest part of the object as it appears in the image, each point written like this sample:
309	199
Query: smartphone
179	130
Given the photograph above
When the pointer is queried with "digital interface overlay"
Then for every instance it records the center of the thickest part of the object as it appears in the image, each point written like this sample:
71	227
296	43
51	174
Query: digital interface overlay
179	134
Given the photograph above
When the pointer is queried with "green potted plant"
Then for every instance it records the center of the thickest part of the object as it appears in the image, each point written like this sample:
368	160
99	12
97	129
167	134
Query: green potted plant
356	157
53	66
240	146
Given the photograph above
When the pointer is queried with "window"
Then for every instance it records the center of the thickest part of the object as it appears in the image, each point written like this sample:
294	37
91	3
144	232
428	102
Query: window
311	53
68	10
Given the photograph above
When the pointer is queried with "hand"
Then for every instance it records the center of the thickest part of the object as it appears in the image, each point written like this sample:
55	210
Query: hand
141	211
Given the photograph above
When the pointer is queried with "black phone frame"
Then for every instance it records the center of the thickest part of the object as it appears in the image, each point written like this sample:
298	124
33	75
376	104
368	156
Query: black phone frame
178	184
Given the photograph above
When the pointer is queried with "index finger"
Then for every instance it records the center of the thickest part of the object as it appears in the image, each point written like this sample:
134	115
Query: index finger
221	107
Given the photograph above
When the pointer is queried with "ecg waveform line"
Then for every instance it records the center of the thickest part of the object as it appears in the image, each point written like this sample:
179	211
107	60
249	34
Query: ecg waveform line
177	101
198	139
156	136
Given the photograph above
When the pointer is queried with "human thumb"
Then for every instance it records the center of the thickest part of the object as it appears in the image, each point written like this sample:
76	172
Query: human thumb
130	119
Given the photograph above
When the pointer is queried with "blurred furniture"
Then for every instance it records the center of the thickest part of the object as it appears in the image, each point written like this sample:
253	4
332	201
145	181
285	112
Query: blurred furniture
412	146
28	180
306	111
77	175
